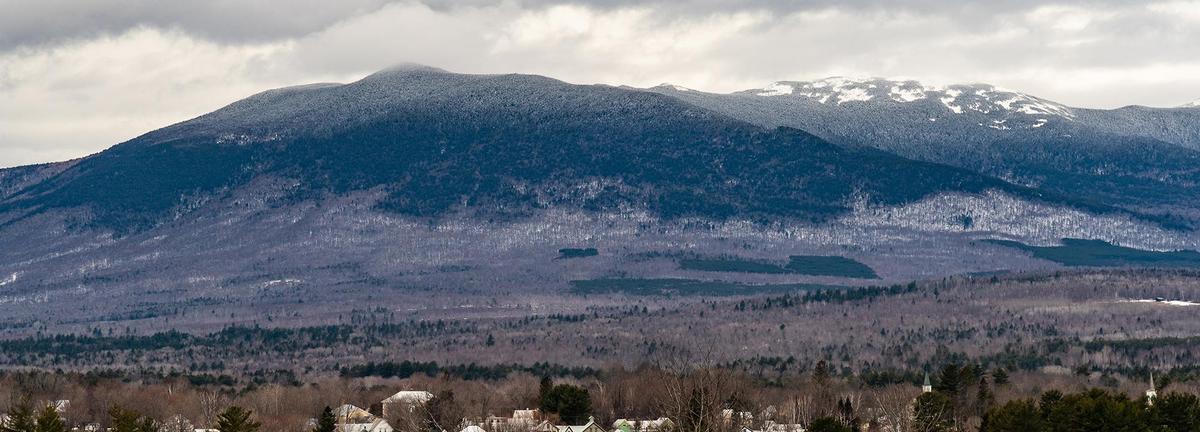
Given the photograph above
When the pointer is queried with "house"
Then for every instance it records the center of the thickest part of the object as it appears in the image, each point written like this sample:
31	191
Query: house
544	426
404	401
590	426
530	415
738	419
521	420
354	419
626	425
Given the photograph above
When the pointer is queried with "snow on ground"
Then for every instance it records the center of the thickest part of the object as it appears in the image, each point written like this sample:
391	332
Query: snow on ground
1165	302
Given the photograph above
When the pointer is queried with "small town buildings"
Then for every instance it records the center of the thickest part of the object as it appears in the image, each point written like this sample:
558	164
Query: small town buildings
656	425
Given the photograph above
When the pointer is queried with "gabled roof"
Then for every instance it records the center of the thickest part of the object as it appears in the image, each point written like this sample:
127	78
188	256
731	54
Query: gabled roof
410	396
376	425
352	414
584	428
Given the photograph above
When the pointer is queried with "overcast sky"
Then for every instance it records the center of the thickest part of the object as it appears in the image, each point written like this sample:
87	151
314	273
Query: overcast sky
79	76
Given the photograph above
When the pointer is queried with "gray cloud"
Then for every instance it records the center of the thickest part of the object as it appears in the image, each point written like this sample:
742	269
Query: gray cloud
76	77
41	22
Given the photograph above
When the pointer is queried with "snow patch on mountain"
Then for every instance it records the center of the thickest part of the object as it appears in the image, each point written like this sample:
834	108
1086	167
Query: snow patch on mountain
776	89
907	93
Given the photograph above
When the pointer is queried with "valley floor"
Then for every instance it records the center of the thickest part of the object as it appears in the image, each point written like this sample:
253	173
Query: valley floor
1059	321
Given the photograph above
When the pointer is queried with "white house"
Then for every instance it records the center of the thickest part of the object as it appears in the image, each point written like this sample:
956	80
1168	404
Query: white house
590	426
354	419
407	400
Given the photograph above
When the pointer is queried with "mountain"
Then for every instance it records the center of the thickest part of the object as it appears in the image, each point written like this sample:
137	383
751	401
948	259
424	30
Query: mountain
1192	104
434	142
416	190
1134	157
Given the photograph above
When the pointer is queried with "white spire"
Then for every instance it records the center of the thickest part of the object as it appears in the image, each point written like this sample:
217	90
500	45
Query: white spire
1152	392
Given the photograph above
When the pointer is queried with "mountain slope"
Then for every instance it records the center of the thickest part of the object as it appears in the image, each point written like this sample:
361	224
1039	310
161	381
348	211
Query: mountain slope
435	142
1132	157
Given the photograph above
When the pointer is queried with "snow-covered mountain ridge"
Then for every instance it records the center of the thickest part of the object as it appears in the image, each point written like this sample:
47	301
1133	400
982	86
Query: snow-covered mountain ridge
958	98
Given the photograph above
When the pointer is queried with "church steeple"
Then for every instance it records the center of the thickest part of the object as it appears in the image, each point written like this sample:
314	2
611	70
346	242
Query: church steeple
1151	393
927	387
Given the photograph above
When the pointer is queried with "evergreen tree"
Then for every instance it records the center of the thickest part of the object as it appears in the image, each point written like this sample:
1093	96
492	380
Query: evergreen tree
1047	402
544	387
1000	376
949	381
20	418
50	421
1014	416
124	420
236	419
572	404
1096	410
326	422
823	396
983	396
828	424
821	374
846	413
1175	412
